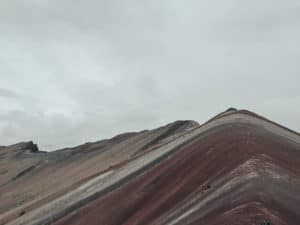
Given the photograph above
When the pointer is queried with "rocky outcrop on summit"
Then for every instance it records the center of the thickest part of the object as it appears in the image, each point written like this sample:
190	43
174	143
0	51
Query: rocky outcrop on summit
238	168
23	146
27	146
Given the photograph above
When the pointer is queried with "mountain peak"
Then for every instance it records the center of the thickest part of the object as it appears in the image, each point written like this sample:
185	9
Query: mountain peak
237	168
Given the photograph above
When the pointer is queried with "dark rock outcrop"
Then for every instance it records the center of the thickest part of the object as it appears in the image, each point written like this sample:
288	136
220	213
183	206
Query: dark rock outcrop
24	146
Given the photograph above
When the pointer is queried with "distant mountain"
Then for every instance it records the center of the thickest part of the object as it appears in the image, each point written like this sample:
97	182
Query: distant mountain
238	168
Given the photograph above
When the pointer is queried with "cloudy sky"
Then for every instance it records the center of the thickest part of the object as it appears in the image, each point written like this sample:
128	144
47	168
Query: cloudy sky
78	71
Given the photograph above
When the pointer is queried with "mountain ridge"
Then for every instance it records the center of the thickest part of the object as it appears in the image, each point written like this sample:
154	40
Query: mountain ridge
237	162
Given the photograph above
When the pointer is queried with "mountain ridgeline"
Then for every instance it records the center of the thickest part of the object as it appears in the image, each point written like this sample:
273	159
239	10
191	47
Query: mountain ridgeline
237	168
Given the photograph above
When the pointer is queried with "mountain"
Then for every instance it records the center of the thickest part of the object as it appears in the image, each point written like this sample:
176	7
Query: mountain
238	168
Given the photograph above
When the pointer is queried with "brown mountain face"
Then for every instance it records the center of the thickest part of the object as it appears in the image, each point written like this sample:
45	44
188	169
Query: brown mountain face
238	168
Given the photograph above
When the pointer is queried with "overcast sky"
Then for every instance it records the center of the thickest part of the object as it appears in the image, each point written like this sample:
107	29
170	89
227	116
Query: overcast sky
84	70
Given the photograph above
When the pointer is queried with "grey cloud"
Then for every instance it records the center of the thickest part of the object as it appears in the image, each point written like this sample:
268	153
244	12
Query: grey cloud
73	72
5	93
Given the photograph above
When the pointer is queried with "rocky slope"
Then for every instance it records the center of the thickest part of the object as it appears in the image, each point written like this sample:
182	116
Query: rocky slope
238	168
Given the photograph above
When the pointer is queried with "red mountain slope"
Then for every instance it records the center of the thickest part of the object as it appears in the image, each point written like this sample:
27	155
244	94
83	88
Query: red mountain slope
238	168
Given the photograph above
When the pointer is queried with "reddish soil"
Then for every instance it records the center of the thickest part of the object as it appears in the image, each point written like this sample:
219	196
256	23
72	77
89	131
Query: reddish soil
240	169
175	182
